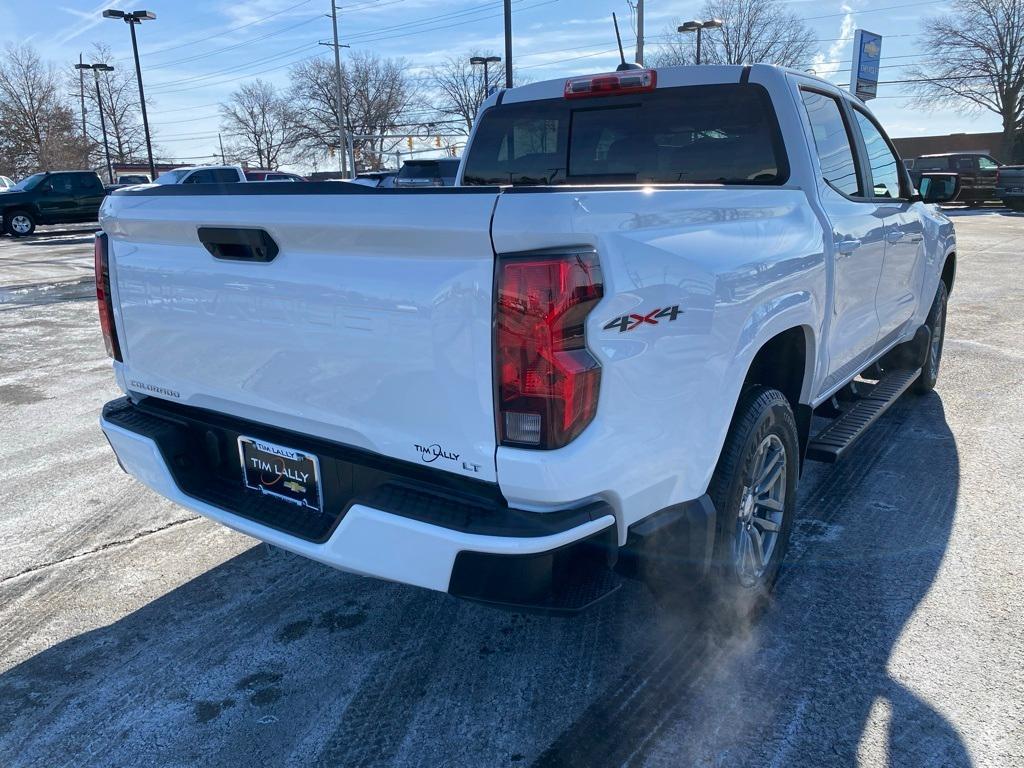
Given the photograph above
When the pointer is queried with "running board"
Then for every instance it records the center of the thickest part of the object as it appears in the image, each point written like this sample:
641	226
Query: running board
832	443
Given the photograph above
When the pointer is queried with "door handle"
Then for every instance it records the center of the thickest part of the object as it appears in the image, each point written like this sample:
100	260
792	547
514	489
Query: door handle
894	235
238	243
846	247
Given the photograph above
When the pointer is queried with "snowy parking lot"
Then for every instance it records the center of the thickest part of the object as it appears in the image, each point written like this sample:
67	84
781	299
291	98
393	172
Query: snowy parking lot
133	633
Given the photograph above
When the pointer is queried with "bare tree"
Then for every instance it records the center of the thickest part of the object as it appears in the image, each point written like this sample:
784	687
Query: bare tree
753	32
260	123
974	61
376	93
459	87
39	127
120	97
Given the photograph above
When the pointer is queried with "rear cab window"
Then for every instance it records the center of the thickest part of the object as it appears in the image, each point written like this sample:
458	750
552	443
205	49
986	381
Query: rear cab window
701	134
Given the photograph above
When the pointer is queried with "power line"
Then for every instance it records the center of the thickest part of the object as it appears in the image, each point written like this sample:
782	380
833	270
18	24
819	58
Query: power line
225	31
215	51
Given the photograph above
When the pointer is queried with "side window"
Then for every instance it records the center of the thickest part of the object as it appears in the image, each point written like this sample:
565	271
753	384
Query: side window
86	183
61	183
200	177
885	174
987	163
832	141
223	175
965	163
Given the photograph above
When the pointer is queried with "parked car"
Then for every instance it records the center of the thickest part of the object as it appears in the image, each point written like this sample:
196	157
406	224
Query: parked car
203	174
376	179
272	176
58	197
977	172
428	173
125	179
6	183
1010	186
601	350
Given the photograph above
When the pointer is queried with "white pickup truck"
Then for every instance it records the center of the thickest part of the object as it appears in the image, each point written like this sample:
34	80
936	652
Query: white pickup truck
597	356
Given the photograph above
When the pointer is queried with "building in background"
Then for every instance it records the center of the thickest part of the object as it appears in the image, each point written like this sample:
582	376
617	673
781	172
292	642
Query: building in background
986	143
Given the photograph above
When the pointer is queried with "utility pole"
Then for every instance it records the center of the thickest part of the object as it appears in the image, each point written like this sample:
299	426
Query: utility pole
640	32
342	139
508	43
223	157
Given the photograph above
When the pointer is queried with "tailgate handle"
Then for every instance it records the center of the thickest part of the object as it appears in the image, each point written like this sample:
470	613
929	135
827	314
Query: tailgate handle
238	243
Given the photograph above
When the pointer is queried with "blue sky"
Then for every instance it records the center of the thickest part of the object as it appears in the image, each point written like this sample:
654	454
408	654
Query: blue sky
195	53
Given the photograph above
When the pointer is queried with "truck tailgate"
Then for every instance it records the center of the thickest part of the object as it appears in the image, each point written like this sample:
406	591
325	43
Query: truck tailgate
371	327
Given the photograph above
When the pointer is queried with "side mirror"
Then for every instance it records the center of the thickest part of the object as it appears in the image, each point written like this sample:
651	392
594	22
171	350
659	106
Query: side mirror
939	187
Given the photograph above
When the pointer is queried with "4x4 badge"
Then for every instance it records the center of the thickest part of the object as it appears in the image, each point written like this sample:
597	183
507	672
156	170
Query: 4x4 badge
629	322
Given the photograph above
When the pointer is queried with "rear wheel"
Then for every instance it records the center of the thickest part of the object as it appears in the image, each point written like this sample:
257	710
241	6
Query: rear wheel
1014	203
936	323
754	492
19	223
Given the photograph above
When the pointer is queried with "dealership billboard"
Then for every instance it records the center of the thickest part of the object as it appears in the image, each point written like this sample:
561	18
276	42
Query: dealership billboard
867	53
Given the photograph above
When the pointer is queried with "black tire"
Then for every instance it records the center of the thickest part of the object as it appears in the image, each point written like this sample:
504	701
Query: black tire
762	415
19	223
936	323
1014	203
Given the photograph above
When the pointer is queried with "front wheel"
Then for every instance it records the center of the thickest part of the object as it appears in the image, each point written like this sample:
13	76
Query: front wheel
754	492
19	223
936	323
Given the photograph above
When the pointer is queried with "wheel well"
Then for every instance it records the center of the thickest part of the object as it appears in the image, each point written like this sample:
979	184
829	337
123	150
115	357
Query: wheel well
949	272
781	363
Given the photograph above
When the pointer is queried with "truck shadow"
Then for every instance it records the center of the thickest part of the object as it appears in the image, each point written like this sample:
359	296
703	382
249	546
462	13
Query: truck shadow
275	660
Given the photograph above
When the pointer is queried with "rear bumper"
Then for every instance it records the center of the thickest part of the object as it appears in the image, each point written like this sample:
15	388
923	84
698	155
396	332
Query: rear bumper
388	520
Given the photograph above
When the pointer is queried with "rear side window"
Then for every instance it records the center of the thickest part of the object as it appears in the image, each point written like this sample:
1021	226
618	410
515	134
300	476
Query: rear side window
832	142
420	171
86	183
223	175
705	134
931	164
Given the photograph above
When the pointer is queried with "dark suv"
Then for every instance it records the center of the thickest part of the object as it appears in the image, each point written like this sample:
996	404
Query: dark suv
977	172
428	173
51	197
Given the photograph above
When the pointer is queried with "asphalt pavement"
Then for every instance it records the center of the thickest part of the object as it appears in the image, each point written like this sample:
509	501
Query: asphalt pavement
134	634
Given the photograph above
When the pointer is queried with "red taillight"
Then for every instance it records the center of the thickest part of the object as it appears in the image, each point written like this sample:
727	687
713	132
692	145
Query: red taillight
612	83
104	302
547	379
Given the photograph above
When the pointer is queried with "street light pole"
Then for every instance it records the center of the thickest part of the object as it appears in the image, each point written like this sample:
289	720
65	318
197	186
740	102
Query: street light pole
81	93
486	61
508	43
699	27
96	69
131	18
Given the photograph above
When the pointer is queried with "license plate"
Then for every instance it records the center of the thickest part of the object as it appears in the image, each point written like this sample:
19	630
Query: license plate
276	470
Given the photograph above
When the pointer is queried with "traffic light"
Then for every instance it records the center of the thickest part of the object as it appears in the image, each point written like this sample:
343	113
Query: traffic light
437	142
409	142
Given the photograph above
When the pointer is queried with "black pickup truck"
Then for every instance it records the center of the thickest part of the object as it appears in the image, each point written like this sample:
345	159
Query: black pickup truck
977	174
51	197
